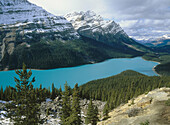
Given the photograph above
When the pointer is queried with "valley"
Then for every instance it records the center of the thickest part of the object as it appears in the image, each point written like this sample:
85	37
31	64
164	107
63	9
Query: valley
84	73
44	41
104	65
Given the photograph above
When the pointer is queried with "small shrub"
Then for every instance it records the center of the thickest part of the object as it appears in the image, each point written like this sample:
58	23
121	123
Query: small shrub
167	102
145	123
132	102
133	112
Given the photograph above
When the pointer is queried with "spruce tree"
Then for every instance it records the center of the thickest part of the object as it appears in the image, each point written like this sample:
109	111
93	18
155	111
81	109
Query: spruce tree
75	118
66	107
24	110
2	94
60	91
92	113
96	113
53	94
106	111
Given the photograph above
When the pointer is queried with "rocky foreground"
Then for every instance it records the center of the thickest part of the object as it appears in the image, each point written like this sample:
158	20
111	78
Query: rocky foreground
149	107
50	111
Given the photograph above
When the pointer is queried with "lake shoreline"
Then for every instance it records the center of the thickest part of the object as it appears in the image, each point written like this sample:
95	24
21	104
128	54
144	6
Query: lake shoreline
154	66
84	73
91	62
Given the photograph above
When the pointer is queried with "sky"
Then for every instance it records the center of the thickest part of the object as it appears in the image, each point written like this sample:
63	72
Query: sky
141	19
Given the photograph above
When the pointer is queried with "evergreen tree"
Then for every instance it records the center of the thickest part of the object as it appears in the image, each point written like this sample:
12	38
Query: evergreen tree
60	91
66	107
105	111
2	93
24	110
53	94
92	113
75	118
41	94
96	113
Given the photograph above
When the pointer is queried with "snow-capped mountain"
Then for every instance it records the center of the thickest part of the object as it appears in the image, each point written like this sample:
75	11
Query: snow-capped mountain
22	23
156	42
25	18
83	21
91	25
42	40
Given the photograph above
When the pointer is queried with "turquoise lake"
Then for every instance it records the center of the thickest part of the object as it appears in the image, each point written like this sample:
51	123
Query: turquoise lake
83	74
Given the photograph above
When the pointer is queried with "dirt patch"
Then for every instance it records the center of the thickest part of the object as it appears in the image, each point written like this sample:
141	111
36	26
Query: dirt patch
164	116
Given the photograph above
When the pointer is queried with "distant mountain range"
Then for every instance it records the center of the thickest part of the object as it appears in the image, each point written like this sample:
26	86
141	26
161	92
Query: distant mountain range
158	42
42	40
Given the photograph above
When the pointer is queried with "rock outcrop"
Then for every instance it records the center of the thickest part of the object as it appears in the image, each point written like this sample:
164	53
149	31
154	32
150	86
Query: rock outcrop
148	107
54	109
24	22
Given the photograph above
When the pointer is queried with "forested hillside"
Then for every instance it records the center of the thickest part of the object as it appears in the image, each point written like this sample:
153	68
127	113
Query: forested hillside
122	87
48	54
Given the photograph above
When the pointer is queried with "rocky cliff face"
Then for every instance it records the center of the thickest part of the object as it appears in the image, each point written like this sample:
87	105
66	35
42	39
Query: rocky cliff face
24	22
91	25
150	107
30	34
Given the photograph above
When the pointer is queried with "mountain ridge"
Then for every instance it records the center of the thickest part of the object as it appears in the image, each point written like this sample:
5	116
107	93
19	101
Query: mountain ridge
42	40
157	42
91	25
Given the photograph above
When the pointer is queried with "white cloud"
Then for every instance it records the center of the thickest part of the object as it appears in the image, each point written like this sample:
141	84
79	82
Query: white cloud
66	6
127	23
137	17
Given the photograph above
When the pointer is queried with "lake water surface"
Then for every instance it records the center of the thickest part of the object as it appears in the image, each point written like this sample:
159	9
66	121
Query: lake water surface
84	73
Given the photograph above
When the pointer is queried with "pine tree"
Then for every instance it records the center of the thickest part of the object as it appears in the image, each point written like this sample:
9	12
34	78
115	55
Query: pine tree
75	118
24	109
60	91
2	94
96	113
106	111
66	107
53	94
92	113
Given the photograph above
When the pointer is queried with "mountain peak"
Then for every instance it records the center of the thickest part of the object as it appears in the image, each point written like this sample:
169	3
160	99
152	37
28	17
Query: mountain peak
96	22
89	13
32	18
89	24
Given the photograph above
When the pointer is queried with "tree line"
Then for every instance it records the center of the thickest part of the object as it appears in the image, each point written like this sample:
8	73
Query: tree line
25	105
25	101
120	88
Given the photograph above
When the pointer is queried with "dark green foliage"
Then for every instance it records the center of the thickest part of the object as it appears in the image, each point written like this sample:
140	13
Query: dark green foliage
92	114
106	112
54	92
145	123
24	108
167	102
163	58
2	94
163	69
122	87
71	112
55	53
41	93
75	117
66	107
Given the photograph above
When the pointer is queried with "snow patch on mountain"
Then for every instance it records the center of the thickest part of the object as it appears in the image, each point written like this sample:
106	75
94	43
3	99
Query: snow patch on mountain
23	14
166	36
84	21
